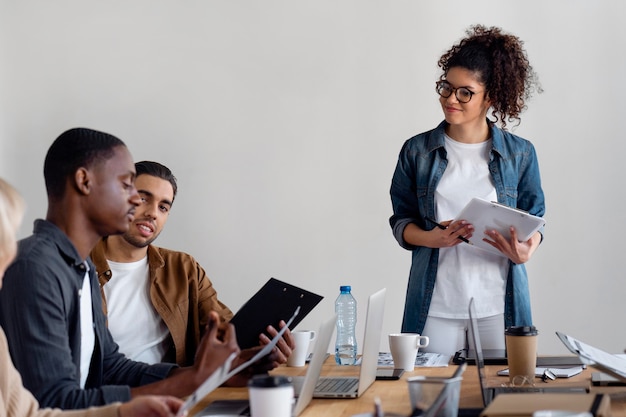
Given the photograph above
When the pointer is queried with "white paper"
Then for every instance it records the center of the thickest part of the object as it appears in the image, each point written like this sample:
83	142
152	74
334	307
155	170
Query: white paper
558	372
423	359
222	375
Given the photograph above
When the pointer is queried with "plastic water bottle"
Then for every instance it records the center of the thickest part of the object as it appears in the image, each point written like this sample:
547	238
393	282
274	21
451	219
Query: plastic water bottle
345	345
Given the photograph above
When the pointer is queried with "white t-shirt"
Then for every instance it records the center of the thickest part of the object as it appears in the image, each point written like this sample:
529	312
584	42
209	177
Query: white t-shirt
465	272
133	322
87	332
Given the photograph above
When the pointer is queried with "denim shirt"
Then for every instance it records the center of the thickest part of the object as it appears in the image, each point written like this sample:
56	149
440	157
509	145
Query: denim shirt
40	313
515	172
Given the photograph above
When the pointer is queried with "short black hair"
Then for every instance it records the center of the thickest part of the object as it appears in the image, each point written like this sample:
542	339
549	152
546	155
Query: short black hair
157	170
75	148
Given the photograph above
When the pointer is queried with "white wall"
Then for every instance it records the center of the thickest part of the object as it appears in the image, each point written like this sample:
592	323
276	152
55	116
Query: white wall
283	121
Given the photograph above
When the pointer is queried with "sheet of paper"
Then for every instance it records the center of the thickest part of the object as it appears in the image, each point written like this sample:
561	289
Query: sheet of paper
422	359
222	374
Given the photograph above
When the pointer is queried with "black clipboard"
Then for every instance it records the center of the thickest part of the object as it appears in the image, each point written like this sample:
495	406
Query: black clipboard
275	301
485	215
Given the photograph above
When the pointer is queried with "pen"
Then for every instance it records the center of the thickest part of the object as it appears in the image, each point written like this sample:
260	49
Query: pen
442	227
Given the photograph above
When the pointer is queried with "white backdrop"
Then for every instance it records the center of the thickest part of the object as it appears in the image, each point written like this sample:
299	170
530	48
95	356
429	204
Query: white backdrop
283	120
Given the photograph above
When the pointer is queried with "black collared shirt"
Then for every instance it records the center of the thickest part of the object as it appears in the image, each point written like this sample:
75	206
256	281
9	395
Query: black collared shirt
40	313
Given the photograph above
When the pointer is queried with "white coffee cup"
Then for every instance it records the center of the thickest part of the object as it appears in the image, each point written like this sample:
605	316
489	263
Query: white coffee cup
404	347
270	396
302	339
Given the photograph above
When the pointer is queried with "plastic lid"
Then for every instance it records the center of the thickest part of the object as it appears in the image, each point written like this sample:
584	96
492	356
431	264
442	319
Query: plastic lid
345	288
264	381
521	331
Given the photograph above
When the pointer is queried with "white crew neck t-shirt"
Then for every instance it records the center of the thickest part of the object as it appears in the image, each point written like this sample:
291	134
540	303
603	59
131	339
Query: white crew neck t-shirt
87	332
464	271
133	322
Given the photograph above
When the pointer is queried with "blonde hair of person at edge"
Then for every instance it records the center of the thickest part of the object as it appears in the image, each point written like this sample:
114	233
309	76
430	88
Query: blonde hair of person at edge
17	401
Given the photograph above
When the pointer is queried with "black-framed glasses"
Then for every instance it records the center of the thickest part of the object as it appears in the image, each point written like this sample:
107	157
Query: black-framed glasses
445	90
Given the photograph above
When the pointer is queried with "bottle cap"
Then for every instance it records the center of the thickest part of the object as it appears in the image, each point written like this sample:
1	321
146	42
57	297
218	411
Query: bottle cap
345	288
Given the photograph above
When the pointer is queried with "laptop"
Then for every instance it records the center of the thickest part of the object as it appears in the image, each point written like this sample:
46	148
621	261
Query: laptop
489	393
354	387
613	365
498	357
303	386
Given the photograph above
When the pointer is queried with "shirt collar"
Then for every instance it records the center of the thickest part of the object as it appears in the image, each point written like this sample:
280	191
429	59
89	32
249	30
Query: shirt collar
50	231
437	138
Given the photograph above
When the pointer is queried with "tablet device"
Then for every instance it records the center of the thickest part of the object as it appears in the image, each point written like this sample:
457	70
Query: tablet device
491	215
275	301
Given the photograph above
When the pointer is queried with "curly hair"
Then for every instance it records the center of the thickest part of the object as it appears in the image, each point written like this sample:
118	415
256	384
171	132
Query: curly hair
500	63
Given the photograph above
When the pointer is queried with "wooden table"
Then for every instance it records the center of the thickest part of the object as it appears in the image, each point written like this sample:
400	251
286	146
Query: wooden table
394	394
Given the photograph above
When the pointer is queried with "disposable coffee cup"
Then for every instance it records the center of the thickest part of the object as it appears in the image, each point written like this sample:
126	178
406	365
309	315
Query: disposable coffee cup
521	354
404	347
270	396
302	340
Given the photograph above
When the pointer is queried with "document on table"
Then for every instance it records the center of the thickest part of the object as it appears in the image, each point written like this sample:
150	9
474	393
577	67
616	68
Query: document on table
558	372
423	359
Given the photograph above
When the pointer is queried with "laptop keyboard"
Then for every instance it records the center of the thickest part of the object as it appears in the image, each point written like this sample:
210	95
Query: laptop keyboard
336	384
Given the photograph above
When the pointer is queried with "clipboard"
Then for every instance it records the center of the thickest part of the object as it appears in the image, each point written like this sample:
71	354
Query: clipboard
275	301
492	215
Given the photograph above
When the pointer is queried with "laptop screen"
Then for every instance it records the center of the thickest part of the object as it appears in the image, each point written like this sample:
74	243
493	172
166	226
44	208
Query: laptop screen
480	360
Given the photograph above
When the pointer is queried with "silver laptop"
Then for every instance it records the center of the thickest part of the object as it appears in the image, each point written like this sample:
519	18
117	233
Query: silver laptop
303	386
488	393
353	387
611	364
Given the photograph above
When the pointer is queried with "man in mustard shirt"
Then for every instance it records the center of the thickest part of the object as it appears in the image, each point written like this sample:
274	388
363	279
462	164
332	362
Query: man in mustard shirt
157	300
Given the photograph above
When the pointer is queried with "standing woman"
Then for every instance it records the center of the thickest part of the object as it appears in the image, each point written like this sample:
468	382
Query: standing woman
486	82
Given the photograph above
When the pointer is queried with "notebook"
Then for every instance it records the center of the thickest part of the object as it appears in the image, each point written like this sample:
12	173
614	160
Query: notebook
613	365
273	302
303	386
488	393
354	387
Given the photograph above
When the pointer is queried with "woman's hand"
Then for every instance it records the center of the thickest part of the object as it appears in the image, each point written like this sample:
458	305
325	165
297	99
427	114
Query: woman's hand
518	252
451	233
150	406
445	236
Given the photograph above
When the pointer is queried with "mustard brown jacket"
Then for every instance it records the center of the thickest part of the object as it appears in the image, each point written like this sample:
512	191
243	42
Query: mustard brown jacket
180	292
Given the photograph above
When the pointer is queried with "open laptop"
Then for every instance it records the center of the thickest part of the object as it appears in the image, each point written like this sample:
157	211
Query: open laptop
613	365
303	386
489	393
354	387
